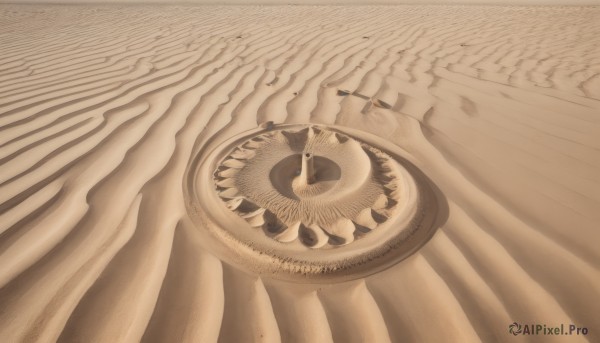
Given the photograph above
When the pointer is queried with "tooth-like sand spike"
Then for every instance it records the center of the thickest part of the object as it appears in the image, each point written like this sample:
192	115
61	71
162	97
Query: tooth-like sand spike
227	183
233	163
257	220
378	217
243	154
312	236
251	145
391	204
343	228
230	193
229	172
381	202
234	203
253	213
290	234
365	219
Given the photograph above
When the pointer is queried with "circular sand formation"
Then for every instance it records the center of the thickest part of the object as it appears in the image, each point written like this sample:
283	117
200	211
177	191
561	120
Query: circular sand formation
308	201
316	186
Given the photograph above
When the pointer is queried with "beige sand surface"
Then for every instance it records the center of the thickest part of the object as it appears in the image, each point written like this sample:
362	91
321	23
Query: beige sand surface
102	110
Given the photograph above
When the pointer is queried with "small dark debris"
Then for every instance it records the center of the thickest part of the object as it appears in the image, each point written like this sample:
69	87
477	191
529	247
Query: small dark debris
365	37
342	92
295	93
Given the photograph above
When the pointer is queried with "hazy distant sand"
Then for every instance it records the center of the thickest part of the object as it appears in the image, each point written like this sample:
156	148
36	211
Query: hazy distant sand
103	107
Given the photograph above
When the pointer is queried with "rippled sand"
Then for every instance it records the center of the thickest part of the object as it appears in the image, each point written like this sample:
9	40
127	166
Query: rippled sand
103	108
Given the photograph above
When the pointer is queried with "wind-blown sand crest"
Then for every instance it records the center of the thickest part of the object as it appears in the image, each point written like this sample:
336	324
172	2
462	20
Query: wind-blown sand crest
104	109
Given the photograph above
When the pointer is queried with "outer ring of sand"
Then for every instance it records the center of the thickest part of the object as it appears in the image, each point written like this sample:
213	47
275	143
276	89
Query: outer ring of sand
390	243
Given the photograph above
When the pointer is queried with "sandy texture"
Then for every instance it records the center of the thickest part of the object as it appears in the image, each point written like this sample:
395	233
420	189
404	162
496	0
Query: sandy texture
318	2
102	110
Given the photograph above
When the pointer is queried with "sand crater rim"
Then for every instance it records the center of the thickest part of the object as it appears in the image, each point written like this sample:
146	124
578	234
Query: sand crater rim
308	200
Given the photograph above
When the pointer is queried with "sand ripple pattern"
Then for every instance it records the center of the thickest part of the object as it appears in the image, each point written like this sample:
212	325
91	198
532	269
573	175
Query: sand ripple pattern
102	108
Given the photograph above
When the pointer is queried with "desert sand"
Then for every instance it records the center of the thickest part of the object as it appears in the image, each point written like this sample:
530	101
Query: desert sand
118	124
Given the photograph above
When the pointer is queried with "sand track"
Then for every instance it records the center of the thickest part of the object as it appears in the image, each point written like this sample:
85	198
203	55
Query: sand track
102	110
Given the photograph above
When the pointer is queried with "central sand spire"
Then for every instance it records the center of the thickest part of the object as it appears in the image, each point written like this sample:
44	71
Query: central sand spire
307	173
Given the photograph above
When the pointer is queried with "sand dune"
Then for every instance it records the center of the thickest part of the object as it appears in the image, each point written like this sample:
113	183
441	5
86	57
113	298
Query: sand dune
104	109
